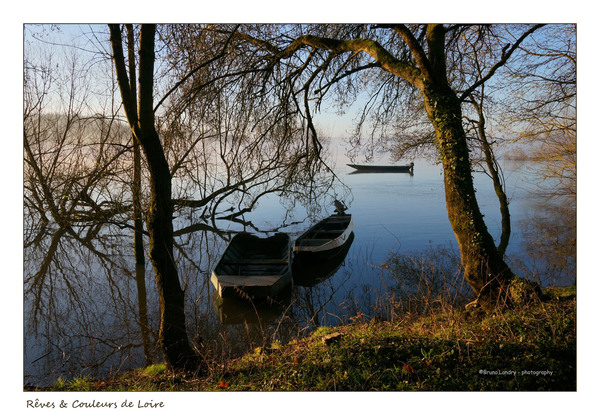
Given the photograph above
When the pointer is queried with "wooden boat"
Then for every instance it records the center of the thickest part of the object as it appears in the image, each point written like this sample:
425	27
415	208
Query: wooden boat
309	270
325	237
370	168
253	267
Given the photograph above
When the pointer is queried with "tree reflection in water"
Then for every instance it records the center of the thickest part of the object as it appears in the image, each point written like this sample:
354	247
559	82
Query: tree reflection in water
82	315
80	290
80	305
550	240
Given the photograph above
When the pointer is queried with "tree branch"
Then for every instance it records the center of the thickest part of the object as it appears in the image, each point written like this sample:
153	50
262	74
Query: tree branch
416	50
122	78
196	69
382	56
348	73
506	54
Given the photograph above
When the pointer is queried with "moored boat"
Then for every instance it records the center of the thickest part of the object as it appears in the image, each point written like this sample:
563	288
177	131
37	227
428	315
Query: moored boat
309	270
325	237
253	267
366	168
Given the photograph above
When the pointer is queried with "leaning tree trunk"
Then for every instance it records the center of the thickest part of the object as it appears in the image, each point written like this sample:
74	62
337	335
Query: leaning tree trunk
485	270
493	169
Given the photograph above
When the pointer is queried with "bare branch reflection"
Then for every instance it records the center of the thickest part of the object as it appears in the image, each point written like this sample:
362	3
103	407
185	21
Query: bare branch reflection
84	285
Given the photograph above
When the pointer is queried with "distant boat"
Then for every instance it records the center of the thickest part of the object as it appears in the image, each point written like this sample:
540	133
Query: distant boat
253	267
370	168
325	237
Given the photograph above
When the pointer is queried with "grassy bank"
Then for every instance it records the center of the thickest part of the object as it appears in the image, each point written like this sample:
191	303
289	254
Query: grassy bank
533	348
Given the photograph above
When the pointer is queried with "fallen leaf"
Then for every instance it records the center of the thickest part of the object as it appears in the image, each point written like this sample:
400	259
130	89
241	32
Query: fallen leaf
408	368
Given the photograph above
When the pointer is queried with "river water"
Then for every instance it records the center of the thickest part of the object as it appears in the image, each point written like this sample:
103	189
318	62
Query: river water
90	327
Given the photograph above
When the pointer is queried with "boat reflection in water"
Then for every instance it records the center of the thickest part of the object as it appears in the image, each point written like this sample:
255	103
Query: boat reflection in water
240	311
253	278
309	269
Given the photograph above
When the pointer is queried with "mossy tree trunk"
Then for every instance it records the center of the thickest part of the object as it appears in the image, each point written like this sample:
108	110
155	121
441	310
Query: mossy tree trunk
485	270
484	266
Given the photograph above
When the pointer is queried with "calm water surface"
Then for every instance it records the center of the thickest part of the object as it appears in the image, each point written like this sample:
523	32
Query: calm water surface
403	213
393	213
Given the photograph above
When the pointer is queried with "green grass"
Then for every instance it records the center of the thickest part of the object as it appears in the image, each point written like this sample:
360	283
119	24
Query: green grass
532	348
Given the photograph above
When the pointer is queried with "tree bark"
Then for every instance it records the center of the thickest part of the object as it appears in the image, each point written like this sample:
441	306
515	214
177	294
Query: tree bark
485	270
177	351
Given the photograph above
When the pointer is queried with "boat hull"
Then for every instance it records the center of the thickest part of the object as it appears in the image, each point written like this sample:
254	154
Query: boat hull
310	269
254	268
367	168
326	237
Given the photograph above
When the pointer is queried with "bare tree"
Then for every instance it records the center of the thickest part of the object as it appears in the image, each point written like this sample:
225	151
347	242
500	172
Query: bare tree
222	142
229	139
86	182
175	345
543	102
